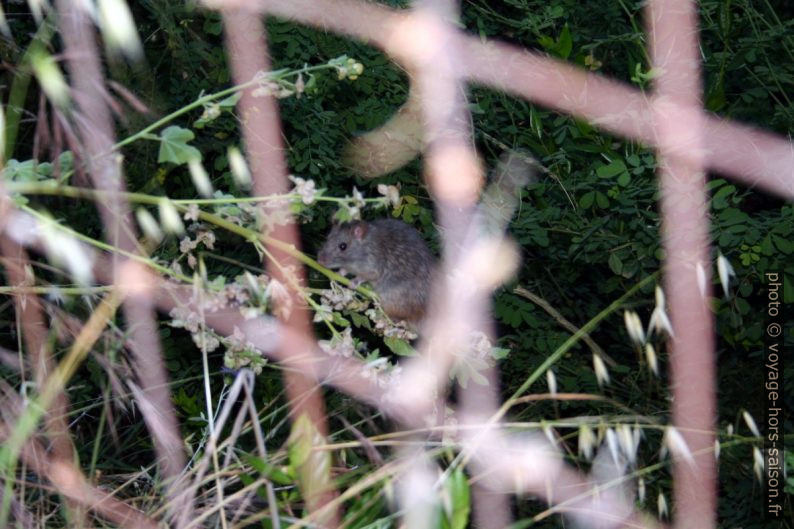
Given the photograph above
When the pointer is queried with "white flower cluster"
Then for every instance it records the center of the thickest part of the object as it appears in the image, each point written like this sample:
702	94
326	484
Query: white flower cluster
204	238
265	86
339	297
340	344
384	373
245	294
348	68
306	189
390	329
392	194
241	353
479	345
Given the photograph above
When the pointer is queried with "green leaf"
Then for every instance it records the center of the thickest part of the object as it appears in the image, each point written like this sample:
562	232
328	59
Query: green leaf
783	245
311	465
720	198
399	347
612	169
587	200
498	353
624	179
561	46
615	263
174	147
535	122
229	102
546	42
340	320
601	200
359	320
266	470
564	43
458	488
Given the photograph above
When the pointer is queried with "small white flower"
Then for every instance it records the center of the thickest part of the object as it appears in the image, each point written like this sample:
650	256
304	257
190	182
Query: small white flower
725	271
551	381
629	443
675	443
661	506
758	464
50	78
200	178
660	321
650	356
239	167
548	431
634	327
354	213
63	249
281	298
211	111
323	313
612	444
392	194
118	27
701	279
305	188
358	199
587	441
748	419
170	218
479	344
192	213
149	226
659	295
601	373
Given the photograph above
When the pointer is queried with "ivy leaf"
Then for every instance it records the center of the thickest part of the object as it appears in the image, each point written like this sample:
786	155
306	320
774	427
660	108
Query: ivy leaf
174	146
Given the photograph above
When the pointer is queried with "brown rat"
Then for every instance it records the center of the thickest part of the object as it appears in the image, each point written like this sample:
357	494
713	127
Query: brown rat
392	256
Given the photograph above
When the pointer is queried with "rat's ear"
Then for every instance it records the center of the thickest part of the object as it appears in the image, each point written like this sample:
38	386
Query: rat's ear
359	229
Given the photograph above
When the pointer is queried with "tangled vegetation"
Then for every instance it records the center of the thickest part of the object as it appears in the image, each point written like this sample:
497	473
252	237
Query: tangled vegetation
588	228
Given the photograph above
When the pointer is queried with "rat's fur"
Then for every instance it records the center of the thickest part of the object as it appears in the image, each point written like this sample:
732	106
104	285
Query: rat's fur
392	256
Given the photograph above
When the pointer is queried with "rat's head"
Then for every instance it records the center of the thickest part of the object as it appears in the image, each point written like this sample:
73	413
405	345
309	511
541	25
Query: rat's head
346	246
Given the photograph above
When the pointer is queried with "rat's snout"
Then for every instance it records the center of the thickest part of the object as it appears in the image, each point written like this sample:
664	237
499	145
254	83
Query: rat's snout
322	257
325	258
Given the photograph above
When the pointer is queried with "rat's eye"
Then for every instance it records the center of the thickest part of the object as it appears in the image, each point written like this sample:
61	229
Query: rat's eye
343	246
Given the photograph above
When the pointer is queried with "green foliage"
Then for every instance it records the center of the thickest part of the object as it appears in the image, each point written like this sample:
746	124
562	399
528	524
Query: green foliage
456	512
588	226
174	146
